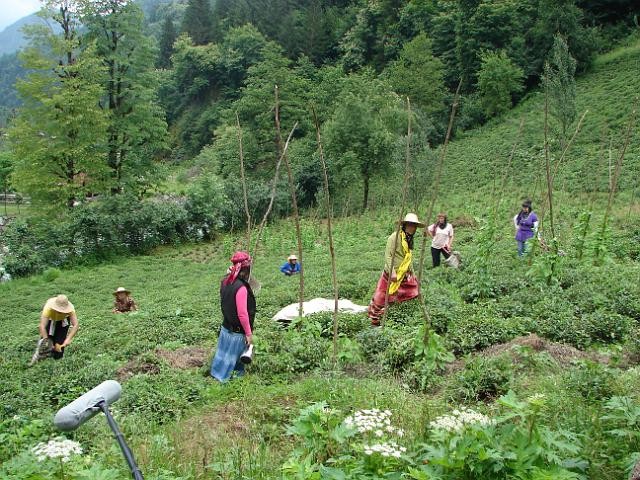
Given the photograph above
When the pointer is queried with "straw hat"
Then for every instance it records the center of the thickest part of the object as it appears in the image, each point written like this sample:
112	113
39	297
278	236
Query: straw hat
60	304
292	257
412	218
121	290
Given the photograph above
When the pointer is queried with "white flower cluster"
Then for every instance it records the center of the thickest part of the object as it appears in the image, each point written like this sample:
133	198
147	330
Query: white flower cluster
376	421
459	419
386	449
57	448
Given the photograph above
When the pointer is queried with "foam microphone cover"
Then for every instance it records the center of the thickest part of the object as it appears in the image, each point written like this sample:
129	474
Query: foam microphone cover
84	407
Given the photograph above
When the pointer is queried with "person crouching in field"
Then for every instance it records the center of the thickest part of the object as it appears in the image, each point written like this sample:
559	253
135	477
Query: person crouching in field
291	267
238	306
123	302
398	268
56	317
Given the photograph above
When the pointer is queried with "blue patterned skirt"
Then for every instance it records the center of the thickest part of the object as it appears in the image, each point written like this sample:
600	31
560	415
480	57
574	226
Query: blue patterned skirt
227	359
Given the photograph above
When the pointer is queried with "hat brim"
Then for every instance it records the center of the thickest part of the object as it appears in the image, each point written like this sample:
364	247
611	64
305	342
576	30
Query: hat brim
121	291
51	303
417	224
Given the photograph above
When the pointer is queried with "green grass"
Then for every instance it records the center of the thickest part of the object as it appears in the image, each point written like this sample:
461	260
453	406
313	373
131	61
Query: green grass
181	421
479	157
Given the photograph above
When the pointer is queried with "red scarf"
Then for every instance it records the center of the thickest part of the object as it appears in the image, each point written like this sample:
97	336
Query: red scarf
239	260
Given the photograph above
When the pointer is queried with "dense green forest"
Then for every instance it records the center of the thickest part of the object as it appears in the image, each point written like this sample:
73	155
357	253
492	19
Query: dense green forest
144	103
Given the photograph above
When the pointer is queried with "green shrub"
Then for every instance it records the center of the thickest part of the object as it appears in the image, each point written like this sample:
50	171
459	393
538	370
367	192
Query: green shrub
50	274
591	380
606	327
475	327
483	379
374	342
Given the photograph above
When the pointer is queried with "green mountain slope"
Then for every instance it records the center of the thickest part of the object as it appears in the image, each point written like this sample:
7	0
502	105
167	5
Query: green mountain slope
478	158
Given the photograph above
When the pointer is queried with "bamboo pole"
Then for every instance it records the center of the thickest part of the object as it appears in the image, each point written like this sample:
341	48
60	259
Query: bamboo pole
618	165
567	146
436	182
274	184
405	183
505	174
559	161
244	183
294	202
547	163
332	252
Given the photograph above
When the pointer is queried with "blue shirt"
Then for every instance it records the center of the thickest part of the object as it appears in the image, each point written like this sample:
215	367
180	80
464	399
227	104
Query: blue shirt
289	269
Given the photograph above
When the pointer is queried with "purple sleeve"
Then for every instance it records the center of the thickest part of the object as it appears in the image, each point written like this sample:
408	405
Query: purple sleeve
241	307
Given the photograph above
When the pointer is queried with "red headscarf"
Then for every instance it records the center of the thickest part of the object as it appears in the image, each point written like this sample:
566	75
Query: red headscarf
239	260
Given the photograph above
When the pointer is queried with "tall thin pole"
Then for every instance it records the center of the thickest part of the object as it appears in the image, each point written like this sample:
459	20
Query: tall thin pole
294	203
244	183
332	252
436	182
273	192
618	165
405	183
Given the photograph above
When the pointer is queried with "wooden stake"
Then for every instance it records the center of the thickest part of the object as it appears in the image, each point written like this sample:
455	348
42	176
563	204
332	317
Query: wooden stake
618	166
274	184
405	183
507	170
294	202
330	233
547	163
244	184
436	182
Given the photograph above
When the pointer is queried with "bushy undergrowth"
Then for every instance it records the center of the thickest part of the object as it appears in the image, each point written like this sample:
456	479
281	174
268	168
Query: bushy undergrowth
588	307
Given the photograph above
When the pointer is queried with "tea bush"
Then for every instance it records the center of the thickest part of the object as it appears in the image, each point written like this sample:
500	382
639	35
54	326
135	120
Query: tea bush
478	326
482	379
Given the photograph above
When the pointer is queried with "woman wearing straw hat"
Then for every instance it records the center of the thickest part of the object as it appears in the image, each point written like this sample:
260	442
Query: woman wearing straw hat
58	313
238	306
123	302
398	268
291	266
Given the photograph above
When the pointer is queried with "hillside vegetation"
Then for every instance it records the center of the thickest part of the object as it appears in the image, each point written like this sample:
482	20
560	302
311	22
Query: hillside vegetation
607	93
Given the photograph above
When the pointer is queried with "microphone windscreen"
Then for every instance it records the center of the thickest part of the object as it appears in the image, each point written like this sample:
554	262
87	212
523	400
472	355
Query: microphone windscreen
84	407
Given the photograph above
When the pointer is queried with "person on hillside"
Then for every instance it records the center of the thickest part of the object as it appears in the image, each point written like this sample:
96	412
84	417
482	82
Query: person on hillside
526	225
123	303
57	316
398	269
442	233
238	305
291	266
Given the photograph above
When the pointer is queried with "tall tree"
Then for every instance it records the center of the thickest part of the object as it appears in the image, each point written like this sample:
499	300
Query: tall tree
363	132
560	85
198	21
58	137
419	75
167	39
498	80
137	128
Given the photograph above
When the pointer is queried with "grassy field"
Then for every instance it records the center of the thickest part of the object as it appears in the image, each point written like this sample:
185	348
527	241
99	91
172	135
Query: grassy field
546	347
180	421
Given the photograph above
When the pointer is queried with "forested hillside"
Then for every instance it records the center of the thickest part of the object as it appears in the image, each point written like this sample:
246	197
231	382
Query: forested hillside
156	141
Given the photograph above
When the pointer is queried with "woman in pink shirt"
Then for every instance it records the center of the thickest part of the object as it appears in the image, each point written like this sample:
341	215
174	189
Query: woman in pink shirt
442	234
238	305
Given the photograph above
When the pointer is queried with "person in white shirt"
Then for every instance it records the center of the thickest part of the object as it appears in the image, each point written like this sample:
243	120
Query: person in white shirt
442	233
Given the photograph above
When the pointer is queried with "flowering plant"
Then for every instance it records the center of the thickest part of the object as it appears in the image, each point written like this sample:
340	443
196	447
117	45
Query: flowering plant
469	444
58	448
363	445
